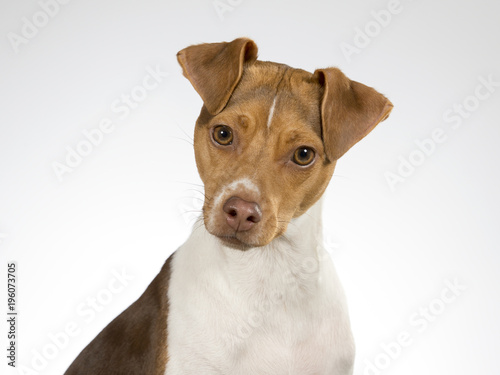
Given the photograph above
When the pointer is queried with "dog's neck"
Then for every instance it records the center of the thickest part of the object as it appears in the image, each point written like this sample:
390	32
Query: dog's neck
293	259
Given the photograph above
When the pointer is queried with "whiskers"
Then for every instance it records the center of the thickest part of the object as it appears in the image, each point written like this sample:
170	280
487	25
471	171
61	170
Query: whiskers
188	139
199	223
190	206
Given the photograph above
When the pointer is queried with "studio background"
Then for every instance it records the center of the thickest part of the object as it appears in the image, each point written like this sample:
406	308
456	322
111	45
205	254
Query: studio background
411	215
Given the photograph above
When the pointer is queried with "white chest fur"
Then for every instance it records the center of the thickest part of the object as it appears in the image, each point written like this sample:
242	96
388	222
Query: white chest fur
277	310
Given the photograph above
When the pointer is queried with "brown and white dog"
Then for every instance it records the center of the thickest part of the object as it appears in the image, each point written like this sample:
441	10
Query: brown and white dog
252	291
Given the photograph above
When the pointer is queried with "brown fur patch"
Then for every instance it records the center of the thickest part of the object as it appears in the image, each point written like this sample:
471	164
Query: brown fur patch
135	342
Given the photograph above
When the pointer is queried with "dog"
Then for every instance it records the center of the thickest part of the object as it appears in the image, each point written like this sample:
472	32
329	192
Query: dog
252	290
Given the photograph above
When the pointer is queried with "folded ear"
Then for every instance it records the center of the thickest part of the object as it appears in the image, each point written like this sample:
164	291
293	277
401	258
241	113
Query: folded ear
214	69
349	111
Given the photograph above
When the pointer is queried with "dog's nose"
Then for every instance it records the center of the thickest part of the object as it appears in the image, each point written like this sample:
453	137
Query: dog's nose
240	214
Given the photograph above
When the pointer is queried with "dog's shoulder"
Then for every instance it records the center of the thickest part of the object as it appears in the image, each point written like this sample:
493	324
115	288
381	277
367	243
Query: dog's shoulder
135	342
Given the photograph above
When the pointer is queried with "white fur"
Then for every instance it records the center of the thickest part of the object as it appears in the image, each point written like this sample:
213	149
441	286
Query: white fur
240	184
276	310
271	113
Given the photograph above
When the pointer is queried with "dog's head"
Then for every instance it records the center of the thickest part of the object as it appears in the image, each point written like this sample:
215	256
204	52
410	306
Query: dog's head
268	136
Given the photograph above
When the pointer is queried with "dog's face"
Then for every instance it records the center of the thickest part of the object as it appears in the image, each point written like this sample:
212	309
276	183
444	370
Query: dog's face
264	147
268	137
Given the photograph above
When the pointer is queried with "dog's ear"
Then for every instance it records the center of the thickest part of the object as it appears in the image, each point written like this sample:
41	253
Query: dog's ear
214	69
349	111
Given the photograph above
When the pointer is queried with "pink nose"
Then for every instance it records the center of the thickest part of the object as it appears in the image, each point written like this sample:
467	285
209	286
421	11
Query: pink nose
240	214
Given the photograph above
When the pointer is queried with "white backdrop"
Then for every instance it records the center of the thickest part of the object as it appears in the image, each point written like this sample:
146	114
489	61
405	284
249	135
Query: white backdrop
411	218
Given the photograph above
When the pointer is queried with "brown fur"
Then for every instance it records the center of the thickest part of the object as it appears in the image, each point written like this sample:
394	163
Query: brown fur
135	342
350	110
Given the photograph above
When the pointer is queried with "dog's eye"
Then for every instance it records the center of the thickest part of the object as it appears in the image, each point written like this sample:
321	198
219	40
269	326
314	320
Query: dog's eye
303	156
223	135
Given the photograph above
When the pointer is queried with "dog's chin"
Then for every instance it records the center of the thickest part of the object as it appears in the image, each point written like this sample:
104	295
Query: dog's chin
242	240
235	243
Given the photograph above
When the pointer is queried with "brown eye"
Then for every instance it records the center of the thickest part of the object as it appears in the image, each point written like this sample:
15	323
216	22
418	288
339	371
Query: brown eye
303	156
223	135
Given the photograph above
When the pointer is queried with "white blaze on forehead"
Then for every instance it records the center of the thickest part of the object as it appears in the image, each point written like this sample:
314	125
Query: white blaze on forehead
271	113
